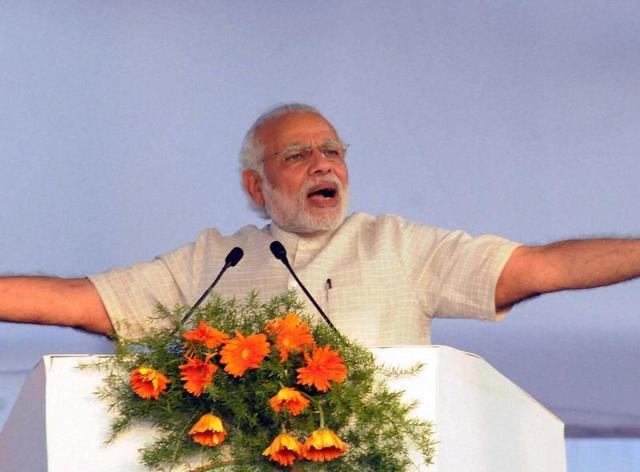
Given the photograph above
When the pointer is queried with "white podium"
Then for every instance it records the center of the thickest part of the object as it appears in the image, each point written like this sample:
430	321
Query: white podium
483	422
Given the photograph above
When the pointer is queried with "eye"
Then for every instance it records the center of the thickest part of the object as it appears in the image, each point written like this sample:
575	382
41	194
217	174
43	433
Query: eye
332	153
293	157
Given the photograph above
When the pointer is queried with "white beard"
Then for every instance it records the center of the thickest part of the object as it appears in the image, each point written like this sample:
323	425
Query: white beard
289	213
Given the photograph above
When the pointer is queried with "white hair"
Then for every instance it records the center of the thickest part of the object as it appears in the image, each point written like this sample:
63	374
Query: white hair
251	151
250	155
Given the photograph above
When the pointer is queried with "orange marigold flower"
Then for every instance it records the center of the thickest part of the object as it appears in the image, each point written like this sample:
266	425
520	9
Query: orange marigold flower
197	374
208	431
292	334
207	335
148	382
284	450
324	445
322	366
244	352
289	399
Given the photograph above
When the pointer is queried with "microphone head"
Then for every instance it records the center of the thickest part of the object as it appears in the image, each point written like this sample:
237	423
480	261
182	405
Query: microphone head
234	256
278	251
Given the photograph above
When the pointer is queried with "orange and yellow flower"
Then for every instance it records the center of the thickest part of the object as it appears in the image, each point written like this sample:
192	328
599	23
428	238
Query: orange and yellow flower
148	382
197	374
208	431
292	335
289	399
244	352
322	366
324	445
206	335
284	450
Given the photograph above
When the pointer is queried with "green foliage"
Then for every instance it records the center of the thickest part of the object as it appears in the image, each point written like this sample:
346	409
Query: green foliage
363	412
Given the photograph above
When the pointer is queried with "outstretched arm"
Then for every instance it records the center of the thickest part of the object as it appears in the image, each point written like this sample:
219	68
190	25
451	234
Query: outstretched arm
566	265
51	300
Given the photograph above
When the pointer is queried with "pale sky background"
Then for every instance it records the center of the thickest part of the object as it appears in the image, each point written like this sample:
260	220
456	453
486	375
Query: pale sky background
120	123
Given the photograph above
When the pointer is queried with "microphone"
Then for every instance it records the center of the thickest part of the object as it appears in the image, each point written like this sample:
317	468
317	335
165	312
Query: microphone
280	253
231	260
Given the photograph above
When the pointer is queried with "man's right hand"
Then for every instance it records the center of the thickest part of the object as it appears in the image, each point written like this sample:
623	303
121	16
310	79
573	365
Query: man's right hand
52	300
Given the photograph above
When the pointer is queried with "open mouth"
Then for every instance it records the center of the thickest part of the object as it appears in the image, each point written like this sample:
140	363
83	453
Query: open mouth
323	191
324	195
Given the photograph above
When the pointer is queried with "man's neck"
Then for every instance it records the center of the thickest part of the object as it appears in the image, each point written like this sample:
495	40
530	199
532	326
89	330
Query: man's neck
315	236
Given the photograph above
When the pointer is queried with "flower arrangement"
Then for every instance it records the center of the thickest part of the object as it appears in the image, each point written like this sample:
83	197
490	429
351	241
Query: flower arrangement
252	386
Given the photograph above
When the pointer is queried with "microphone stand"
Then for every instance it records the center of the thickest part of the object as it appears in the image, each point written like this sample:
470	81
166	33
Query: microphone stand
280	253
231	260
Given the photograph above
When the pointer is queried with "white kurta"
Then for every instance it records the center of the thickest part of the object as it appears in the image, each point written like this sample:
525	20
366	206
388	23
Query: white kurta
380	279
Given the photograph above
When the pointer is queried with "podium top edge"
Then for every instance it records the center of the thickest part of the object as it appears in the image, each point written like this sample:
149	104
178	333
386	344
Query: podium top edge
393	346
429	347
50	357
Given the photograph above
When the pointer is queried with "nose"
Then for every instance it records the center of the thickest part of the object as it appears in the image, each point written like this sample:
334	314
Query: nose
318	164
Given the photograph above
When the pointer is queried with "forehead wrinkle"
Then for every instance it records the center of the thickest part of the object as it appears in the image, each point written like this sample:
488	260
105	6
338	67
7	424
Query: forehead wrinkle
299	146
331	141
294	129
296	147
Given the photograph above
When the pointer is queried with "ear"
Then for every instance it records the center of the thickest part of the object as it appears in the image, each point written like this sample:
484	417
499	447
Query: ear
252	183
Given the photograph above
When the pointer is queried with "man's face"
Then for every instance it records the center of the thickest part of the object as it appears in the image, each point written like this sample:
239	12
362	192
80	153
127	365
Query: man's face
306	187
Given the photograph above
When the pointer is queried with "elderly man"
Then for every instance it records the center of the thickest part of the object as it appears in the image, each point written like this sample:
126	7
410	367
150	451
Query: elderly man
380	279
